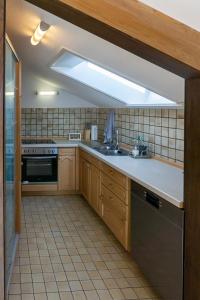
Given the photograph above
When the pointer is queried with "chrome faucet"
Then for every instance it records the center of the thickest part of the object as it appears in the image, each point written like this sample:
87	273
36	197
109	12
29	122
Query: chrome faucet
117	140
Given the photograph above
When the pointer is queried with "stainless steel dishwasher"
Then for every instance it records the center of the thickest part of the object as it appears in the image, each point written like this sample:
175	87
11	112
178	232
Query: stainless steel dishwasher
157	241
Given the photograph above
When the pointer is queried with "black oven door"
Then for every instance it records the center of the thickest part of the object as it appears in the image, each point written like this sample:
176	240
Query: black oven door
39	168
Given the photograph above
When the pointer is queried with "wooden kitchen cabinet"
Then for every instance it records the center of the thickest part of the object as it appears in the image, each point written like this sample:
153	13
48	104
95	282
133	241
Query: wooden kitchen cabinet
67	170
95	188
90	180
85	178
108	192
115	215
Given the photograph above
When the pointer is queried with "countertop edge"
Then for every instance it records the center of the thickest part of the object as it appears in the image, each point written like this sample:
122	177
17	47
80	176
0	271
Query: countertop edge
154	189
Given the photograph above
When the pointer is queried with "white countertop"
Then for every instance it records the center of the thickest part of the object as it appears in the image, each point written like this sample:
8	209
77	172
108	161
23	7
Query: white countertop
164	180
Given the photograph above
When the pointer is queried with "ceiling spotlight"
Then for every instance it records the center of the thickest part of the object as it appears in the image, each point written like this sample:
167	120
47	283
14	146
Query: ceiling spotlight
47	93
10	93
39	33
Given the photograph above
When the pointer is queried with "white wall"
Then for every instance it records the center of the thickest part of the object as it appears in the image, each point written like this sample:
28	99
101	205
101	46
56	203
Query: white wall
32	82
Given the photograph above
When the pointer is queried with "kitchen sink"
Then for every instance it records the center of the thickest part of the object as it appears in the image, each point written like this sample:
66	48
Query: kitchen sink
110	152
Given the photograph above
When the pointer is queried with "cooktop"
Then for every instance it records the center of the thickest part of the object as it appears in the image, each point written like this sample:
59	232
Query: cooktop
32	141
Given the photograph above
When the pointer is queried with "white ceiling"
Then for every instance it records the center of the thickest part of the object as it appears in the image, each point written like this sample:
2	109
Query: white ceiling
22	19
185	11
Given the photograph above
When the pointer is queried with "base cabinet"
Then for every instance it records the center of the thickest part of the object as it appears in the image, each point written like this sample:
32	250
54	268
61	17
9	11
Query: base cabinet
95	188
67	170
108	193
85	178
115	215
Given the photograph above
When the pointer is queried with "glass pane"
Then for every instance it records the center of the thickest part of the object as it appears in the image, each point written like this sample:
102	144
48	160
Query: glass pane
9	159
39	168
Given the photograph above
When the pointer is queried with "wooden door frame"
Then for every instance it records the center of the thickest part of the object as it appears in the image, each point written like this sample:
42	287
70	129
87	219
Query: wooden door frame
116	35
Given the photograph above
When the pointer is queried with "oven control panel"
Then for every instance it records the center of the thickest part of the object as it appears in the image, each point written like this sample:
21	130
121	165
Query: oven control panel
39	151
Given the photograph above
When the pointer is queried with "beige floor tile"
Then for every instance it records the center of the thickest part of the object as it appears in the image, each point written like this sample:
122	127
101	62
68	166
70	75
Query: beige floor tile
66	296
104	295
15	289
38	277
122	282
28	297
53	296
75	285
111	283
39	287
48	277
92	295
51	287
72	275
41	296
63	286
79	295
116	294
27	288
87	285
25	269
129	293
60	276
142	293
16	278
26	278
14	297
82	275
99	284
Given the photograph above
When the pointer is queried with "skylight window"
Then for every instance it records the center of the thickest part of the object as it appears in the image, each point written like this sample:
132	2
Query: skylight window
103	80
116	77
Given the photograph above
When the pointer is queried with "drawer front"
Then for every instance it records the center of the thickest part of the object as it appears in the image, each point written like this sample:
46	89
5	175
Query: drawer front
114	214
93	160
112	201
67	151
115	175
114	187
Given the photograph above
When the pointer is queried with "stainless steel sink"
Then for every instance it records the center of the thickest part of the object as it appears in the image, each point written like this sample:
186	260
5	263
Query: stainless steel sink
110	152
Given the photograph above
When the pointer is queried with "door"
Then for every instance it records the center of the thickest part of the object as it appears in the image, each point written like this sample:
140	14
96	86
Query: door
67	173
95	188
85	178
114	213
10	160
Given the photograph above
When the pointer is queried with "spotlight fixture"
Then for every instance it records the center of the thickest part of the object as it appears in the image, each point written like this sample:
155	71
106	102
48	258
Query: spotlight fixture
39	33
47	93
10	93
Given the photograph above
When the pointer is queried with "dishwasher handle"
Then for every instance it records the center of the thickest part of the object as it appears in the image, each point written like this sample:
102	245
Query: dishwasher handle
153	200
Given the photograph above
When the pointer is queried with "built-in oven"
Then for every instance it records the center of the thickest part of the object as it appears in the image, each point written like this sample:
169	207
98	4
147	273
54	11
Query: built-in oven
39	165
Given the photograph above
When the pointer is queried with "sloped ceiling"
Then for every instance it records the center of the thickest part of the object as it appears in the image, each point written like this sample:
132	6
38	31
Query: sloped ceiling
185	11
23	18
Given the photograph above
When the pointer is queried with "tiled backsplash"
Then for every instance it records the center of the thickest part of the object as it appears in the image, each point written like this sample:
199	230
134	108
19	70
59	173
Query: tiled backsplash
162	129
56	121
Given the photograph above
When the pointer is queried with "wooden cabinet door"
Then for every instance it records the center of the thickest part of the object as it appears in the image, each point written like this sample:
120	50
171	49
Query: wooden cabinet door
85	178
67	173
95	188
114	214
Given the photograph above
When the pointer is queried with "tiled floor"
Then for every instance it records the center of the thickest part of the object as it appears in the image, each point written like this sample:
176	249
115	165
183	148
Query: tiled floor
66	252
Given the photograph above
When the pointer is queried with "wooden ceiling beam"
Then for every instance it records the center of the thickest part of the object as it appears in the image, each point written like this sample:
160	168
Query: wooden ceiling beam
136	28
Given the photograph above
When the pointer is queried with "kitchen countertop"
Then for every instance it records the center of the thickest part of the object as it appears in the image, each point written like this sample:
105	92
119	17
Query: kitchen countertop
161	178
